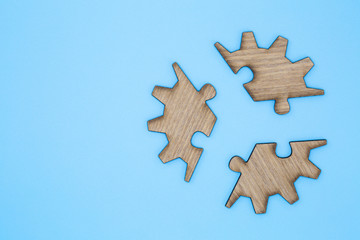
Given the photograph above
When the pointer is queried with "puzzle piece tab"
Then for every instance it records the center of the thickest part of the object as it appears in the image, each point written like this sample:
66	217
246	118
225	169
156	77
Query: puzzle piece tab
265	174
275	76
185	113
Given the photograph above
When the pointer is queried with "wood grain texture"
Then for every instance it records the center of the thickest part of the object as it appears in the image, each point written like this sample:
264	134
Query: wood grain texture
275	76
185	113
265	174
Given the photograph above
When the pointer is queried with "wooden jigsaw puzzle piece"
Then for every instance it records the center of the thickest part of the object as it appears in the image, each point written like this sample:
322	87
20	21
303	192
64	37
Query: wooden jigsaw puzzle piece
275	76
185	113
265	174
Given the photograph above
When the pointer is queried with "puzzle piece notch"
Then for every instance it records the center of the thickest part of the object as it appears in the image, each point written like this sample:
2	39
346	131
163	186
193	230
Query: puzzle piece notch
185	113
275	76
265	174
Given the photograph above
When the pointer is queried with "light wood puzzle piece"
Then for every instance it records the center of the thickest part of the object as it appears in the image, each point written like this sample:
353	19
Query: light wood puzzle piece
185	113
265	174
275	76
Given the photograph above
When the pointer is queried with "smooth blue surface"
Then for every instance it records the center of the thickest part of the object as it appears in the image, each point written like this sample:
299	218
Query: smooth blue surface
77	161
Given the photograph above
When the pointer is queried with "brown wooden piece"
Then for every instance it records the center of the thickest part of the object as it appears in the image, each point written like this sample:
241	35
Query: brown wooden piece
265	174
275	76
185	113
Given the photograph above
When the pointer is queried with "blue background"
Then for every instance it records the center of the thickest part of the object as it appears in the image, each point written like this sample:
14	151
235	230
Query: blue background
77	161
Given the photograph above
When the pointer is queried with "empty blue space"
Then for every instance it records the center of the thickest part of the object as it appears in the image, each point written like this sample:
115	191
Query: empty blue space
76	158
